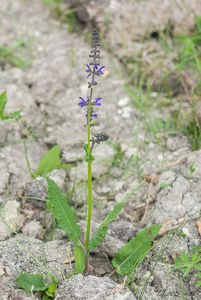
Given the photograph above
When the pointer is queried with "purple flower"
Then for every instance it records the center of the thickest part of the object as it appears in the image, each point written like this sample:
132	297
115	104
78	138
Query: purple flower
98	70
83	103
97	102
88	70
94	115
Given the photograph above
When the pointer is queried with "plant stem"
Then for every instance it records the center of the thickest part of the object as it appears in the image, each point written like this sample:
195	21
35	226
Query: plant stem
27	157
90	198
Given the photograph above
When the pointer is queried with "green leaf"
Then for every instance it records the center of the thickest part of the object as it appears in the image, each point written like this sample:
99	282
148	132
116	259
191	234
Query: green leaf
3	115
50	161
51	289
31	282
79	259
134	252
8	55
12	116
62	212
187	263
198	280
103	228
3	101
45	297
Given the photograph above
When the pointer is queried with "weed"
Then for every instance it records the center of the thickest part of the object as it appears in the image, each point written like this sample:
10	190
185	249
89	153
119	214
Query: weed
65	14
118	157
3	115
190	48
8	55
193	129
188	264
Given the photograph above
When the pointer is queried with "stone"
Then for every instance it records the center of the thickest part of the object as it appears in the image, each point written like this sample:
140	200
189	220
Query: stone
123	101
36	189
26	254
177	197
5	174
174	143
143	18
123	230
11	219
92	287
58	176
33	229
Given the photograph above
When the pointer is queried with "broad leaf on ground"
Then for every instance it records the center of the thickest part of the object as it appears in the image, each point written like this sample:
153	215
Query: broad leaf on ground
63	213
31	282
134	252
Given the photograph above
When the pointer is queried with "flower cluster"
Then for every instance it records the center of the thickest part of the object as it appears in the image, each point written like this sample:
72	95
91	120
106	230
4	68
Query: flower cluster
93	69
99	138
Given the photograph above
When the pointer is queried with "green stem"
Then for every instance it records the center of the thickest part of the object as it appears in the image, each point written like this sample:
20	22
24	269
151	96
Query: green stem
27	157
90	198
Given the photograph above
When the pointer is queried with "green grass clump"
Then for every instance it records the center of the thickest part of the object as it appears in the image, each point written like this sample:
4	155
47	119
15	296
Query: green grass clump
189	264
65	14
8	55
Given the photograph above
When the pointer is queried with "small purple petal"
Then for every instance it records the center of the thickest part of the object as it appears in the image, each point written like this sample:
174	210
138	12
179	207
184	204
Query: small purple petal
97	102
89	69
99	70
83	103
95	115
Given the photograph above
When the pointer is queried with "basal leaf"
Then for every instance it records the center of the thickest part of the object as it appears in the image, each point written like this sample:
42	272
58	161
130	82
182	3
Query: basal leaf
79	259
63	213
31	282
103	228
50	161
134	252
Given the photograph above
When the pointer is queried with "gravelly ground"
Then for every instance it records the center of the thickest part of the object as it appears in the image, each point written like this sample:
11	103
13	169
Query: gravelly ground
47	92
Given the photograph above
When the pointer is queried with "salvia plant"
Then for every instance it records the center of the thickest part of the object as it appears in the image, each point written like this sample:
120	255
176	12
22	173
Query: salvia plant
130	255
135	251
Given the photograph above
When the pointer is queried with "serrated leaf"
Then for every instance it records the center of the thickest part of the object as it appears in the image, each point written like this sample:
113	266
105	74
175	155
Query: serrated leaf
63	213
103	228
31	282
134	252
187	263
3	115
79	259
50	161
